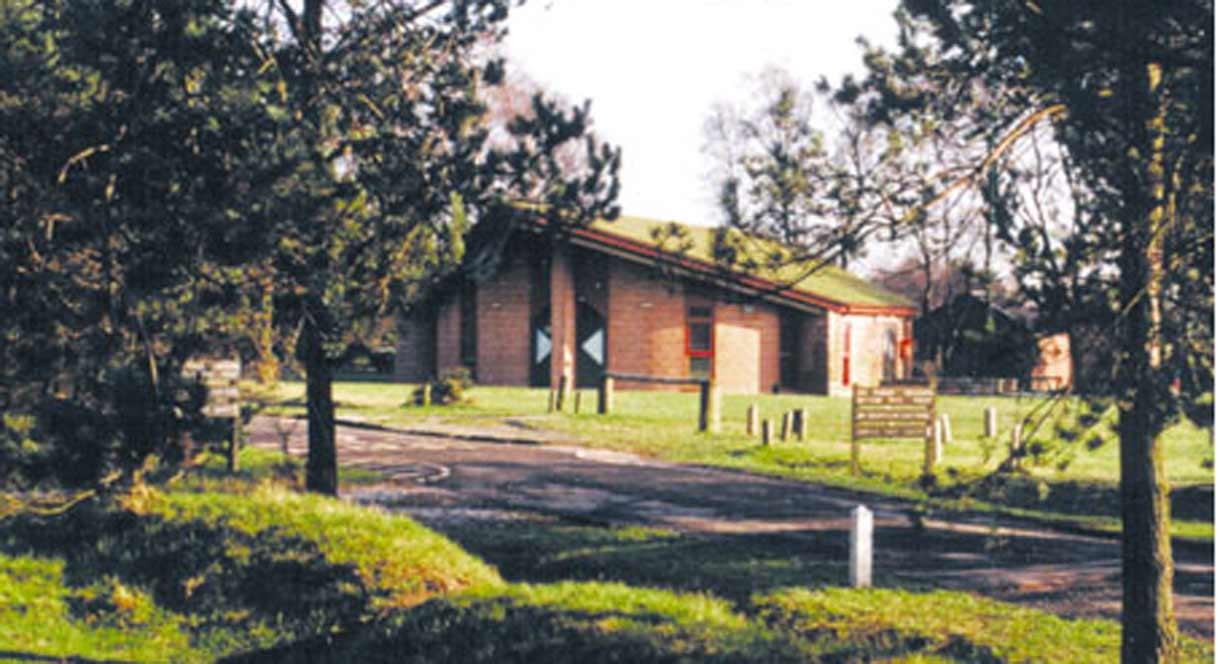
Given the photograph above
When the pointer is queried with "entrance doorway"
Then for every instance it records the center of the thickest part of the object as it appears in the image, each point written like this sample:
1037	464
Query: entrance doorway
590	347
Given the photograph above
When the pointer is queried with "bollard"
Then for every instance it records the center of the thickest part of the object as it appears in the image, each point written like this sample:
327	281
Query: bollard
766	433
752	420
989	422
800	423
550	401
938	435
785	425
425	398
860	563
946	431
235	445
709	407
562	394
576	402
605	396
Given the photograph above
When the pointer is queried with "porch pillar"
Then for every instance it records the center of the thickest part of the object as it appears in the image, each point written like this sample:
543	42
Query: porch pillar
563	320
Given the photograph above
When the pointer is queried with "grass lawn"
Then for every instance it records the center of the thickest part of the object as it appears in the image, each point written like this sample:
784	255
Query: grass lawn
213	566
1074	484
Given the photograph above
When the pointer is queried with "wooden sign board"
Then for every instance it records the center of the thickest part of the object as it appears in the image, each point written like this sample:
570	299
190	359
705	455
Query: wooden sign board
219	375
892	411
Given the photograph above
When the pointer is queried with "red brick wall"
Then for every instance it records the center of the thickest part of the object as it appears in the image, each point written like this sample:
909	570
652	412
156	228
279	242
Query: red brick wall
867	349
1053	370
647	325
448	335
504	327
415	356
563	318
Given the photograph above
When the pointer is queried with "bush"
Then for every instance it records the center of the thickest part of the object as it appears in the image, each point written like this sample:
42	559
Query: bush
449	388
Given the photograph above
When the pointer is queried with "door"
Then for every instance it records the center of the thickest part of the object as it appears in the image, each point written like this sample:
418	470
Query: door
590	345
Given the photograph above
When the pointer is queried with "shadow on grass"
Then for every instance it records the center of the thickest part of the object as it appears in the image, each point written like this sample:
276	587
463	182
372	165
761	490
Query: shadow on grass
230	583
1081	498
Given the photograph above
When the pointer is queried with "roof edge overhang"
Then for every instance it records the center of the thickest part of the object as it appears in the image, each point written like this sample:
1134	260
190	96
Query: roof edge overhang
767	290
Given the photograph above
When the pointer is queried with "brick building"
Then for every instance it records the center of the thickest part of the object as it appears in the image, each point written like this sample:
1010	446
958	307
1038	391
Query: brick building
610	299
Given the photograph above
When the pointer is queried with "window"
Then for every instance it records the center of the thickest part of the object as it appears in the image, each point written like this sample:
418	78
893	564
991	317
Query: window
700	340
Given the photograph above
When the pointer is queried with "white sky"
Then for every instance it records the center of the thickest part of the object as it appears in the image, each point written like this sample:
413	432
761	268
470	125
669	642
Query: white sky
654	68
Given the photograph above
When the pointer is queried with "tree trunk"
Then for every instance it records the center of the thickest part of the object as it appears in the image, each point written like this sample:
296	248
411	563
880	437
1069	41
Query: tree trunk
1149	630
322	467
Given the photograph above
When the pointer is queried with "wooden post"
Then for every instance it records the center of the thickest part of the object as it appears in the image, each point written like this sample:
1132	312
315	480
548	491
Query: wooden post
576	403
605	396
860	563
800	423
550	401
562	393
930	445
989	422
785	425
709	407
766	432
946	431
855	456
752	420
1014	447
235	445
938	434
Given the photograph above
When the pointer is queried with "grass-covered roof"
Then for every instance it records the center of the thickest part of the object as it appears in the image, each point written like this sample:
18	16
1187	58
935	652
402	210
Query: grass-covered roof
827	283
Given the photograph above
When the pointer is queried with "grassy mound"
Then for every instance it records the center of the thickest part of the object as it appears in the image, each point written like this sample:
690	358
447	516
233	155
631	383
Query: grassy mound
577	623
865	625
234	572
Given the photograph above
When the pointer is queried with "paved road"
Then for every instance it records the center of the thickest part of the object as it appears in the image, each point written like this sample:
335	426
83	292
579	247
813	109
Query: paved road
439	480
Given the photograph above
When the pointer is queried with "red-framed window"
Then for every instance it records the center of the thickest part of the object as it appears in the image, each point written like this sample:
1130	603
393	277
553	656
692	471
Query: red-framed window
700	340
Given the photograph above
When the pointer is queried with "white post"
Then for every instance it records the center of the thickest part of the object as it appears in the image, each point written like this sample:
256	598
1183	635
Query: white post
945	430
860	566
989	422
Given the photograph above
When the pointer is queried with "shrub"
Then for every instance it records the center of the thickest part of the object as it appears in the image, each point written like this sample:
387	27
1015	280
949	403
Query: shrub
449	388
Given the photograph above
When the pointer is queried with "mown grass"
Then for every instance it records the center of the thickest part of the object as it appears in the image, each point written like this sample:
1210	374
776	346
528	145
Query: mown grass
1073	484
246	568
243	569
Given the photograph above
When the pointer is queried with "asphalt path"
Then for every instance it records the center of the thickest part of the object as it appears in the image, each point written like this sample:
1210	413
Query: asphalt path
441	480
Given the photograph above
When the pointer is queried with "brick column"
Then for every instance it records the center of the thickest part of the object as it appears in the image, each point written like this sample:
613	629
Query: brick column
563	318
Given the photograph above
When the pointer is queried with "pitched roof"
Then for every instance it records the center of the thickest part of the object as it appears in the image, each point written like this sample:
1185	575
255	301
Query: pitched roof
829	287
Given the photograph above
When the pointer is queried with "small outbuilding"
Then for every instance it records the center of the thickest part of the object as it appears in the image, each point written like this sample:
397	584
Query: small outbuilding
613	297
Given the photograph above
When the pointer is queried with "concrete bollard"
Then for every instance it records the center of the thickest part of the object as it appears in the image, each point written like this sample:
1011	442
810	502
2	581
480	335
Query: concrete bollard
860	554
785	425
425	394
766	432
946	431
1015	445
938	438
989	422
752	420
605	396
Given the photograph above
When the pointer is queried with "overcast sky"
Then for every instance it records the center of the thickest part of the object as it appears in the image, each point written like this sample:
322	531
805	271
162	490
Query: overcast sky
654	68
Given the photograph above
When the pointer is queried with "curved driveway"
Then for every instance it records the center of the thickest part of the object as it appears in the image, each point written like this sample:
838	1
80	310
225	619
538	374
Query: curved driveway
439	480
